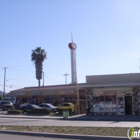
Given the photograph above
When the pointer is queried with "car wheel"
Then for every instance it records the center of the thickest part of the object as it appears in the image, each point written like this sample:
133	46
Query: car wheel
52	110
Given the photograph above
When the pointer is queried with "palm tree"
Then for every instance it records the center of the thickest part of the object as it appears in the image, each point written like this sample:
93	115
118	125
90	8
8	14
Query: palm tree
38	56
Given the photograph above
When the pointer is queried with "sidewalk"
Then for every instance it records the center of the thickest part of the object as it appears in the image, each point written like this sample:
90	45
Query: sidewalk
80	117
106	117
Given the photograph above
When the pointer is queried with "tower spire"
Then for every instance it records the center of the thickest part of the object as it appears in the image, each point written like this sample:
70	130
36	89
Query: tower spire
71	37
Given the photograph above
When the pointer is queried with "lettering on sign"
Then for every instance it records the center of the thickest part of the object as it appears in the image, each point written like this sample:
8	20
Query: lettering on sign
36	92
51	92
67	91
109	92
20	93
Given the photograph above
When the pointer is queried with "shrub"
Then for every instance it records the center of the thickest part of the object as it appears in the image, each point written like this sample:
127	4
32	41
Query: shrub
15	112
39	111
0	98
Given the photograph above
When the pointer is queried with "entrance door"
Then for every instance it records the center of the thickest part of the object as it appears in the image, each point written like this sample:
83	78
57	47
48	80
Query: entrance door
128	105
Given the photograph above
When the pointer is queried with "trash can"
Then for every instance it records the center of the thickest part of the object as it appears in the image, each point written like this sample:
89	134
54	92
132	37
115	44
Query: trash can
65	113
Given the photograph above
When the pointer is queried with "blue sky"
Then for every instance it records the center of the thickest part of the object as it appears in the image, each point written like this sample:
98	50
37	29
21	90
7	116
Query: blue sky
107	34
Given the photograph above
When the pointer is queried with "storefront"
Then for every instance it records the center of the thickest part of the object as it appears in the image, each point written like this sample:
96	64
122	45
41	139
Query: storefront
54	95
114	94
117	94
114	101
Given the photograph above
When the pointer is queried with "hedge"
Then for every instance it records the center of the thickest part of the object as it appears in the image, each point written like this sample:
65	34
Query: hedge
38	111
15	112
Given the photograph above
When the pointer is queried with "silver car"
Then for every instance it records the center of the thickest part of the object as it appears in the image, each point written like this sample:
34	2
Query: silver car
49	107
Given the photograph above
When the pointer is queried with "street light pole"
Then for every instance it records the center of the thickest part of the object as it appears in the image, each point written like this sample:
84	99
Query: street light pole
77	91
4	81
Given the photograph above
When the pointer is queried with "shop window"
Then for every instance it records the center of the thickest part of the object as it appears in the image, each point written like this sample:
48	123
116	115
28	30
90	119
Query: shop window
54	101
45	100
68	100
73	100
58	101
63	100
31	100
98	103
110	103
24	100
48	100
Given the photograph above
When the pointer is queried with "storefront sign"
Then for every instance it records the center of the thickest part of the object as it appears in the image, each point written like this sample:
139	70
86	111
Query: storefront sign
50	92
67	91
109	92
19	93
36	92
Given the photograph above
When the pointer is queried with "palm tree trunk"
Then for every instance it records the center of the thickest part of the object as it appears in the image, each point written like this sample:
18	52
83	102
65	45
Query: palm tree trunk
39	83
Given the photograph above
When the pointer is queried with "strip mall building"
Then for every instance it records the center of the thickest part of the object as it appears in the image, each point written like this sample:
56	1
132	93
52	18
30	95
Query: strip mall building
107	94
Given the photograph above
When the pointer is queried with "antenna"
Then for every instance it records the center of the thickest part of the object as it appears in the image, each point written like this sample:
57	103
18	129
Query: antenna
65	77
71	38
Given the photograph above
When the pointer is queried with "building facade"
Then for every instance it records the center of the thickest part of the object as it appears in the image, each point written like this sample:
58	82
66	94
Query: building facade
114	94
117	94
49	94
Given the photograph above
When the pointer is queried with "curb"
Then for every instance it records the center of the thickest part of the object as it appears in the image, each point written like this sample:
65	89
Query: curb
70	119
27	117
68	136
95	119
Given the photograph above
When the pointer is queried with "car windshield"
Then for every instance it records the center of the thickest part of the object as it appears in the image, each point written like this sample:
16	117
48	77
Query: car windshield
35	106
50	105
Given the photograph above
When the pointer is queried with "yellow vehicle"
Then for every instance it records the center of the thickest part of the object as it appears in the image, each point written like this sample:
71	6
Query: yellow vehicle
66	106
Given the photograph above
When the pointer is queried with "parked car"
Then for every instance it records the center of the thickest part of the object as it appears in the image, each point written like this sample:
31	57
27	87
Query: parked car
6	105
49	107
24	104
66	106
27	107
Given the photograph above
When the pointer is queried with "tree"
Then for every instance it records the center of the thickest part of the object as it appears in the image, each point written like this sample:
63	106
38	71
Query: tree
0	98
38	56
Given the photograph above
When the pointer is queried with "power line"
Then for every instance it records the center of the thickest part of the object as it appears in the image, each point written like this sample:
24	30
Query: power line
31	71
17	79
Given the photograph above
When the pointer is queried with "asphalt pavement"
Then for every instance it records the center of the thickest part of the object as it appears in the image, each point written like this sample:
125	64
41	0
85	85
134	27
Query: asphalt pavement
82	117
118	119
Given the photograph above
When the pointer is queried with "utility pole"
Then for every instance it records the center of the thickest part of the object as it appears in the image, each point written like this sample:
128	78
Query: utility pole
65	77
4	81
77	90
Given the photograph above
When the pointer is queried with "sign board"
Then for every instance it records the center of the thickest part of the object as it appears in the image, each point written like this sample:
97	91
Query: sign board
67	91
50	92
36	93
19	93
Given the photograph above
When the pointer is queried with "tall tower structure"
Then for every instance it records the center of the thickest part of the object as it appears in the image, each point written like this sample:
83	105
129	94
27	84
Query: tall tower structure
73	47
